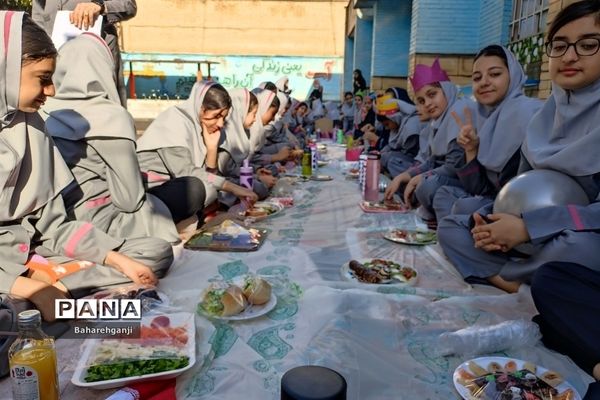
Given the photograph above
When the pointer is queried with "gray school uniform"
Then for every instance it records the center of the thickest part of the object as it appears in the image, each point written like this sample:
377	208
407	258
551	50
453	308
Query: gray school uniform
479	187
555	232
438	171
501	130
173	145
563	136
444	152
161	165
48	233
44	13
110	192
33	219
403	145
96	137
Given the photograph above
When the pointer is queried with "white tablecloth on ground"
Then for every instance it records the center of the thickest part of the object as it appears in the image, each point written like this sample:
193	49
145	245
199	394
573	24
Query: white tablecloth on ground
380	338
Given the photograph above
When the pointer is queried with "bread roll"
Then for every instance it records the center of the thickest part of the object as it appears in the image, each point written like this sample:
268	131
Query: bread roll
256	212
257	291
233	301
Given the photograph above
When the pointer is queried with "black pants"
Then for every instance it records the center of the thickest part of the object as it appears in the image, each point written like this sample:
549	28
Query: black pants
184	196
567	297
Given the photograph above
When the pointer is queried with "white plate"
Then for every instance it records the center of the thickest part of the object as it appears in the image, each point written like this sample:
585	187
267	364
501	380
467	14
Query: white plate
177	319
389	235
252	311
321	178
348	275
485	361
273	205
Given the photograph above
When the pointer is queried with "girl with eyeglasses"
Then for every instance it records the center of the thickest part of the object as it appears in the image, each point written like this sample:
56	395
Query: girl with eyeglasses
563	136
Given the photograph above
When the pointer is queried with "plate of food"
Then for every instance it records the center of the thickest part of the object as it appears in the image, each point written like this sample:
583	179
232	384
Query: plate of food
507	378
227	236
411	237
353	173
385	206
321	178
246	298
261	210
165	349
378	271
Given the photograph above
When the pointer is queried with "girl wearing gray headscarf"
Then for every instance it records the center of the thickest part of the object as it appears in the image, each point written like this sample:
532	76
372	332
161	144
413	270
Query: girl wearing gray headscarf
34	224
96	138
183	142
492	147
440	96
563	136
403	145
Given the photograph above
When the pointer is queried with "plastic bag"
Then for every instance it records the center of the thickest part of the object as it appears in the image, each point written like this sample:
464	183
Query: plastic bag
148	294
488	339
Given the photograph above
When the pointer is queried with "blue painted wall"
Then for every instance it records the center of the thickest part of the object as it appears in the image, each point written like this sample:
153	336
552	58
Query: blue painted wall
363	47
348	63
494	22
445	27
391	37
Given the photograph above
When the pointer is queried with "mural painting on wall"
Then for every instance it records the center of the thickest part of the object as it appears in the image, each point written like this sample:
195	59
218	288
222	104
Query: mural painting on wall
154	79
529	52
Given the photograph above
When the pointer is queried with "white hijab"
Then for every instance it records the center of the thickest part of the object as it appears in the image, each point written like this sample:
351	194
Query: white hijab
237	142
501	129
179	126
257	130
86	104
32	172
565	134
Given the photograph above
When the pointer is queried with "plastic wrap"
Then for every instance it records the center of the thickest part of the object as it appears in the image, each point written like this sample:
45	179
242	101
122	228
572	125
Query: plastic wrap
488	339
164	348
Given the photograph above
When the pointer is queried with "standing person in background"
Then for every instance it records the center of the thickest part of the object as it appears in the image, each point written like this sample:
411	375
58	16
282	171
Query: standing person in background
358	82
83	15
348	112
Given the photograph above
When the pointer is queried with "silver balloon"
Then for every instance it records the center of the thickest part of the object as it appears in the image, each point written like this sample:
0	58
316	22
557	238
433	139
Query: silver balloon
537	189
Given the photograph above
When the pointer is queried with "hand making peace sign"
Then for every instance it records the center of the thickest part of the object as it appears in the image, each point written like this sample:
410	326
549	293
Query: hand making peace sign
467	137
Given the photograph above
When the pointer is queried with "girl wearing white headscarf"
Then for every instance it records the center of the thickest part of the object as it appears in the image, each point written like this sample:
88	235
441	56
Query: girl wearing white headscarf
236	146
182	142
492	147
96	137
268	107
34	228
563	136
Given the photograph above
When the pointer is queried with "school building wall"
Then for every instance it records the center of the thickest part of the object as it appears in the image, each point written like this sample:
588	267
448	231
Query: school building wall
408	32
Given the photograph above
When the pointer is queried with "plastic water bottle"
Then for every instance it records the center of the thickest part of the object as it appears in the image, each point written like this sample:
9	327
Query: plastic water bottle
362	165
306	163
246	175
313	157
488	339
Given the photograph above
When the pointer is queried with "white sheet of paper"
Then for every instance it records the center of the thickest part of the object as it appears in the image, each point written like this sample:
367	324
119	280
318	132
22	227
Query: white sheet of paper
64	30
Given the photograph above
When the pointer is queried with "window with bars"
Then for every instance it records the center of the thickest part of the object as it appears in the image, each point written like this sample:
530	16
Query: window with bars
529	18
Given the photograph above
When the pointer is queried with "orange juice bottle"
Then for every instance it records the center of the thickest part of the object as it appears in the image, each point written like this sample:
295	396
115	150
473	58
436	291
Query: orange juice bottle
32	360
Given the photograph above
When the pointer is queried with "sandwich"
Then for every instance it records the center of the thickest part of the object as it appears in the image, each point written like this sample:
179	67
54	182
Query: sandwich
256	290
223	302
256	212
